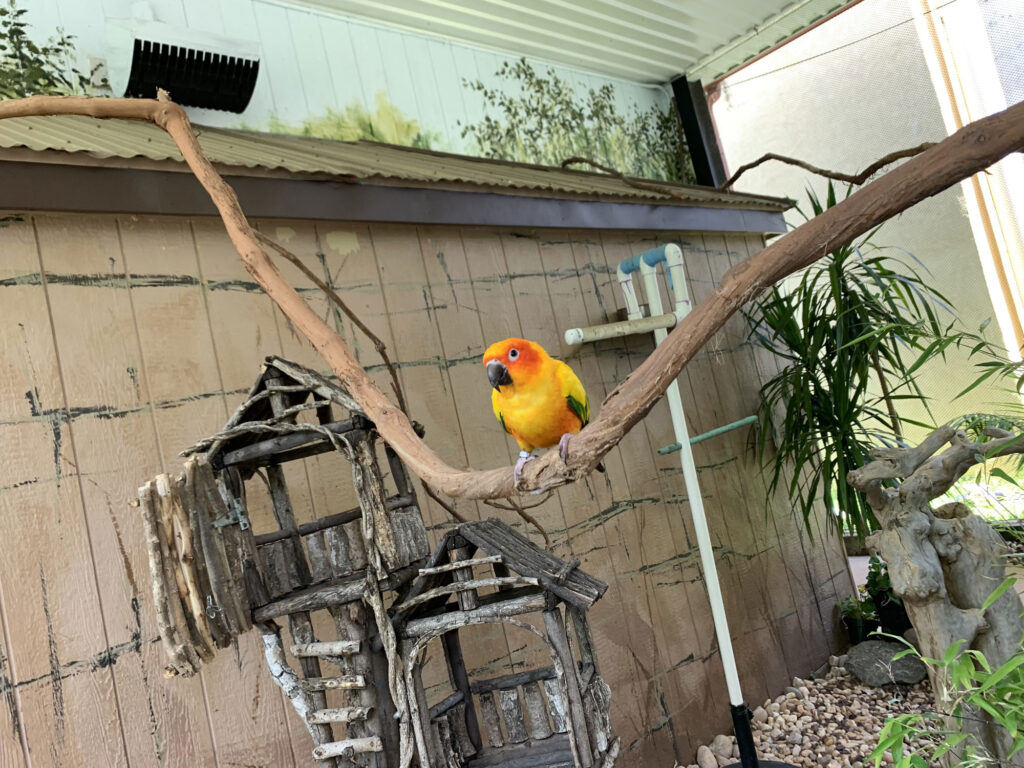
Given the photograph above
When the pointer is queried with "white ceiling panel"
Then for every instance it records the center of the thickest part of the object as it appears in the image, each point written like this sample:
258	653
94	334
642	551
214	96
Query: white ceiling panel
647	41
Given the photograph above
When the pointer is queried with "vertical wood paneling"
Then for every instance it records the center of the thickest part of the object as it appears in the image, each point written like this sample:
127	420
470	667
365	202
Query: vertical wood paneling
181	367
667	489
178	333
636	580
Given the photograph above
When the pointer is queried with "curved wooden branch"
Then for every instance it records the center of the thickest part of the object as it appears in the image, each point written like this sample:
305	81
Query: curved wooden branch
852	178
963	154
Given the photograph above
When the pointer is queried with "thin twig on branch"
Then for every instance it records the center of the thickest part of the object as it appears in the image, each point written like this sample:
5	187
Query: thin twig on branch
968	151
853	178
444	504
333	296
635	183
520	509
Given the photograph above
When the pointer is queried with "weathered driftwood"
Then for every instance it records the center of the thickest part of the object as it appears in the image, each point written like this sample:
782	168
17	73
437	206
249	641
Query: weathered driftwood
334	683
182	657
944	563
347	748
446	704
520	554
332	648
461	564
513	680
331	521
536	710
287	446
464	587
290	683
512	715
569	682
312	598
489	715
460	679
556	705
338	715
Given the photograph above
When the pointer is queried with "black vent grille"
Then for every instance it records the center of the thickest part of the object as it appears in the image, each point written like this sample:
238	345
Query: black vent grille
192	77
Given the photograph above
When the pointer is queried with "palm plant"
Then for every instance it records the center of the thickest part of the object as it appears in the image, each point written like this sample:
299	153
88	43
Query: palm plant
851	333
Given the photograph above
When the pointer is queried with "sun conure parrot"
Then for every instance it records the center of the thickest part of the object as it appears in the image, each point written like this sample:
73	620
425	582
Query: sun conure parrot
537	399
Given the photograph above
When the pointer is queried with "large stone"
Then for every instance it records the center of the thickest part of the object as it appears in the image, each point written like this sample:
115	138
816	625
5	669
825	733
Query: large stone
706	758
721	745
872	663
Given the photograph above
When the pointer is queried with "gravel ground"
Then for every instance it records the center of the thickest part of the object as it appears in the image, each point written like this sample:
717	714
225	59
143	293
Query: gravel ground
832	722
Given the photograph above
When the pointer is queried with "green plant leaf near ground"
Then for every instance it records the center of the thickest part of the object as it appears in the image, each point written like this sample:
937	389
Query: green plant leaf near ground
538	117
355	122
974	690
31	68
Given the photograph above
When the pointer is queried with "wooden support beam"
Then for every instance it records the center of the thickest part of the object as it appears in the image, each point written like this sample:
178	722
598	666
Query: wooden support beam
456	619
555	627
338	518
313	598
288	447
460	681
504	682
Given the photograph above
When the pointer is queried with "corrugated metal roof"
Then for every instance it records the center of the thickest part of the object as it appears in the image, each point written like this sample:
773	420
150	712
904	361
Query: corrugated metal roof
360	160
647	41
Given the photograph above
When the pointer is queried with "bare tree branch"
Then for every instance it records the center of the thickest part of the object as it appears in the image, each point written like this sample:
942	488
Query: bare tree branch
852	178
968	151
333	296
633	182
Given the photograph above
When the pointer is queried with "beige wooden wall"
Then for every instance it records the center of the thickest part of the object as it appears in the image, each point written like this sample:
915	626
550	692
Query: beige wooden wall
125	339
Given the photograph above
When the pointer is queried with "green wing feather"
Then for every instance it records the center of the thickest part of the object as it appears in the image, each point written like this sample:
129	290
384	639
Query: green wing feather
582	410
501	418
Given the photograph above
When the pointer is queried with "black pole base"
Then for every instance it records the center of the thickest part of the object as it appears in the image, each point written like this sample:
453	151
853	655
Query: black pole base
745	741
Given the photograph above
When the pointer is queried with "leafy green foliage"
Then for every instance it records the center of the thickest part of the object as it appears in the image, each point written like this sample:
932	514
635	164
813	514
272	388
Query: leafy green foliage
28	68
878	583
859	606
976	690
548	122
860	319
385	124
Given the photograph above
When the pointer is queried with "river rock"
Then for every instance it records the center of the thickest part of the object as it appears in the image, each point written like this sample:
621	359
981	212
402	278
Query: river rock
706	758
872	663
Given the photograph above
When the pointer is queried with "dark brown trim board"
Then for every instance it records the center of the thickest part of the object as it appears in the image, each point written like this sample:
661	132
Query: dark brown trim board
50	187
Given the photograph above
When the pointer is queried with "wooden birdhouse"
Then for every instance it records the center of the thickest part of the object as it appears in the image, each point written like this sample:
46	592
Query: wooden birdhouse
555	714
360	598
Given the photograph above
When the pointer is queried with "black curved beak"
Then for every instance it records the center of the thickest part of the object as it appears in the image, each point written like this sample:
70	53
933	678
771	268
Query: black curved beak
497	374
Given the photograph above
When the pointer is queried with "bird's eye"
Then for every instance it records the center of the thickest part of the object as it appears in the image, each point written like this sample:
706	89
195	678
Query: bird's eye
513	354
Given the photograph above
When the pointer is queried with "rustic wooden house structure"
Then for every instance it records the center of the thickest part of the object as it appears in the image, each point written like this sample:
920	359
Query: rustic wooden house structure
130	328
553	715
213	578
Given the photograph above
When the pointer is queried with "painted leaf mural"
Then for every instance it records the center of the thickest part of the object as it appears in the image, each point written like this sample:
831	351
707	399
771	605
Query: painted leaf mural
355	122
544	119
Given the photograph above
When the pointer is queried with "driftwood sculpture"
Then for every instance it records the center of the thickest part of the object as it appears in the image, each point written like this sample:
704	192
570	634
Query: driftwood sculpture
358	689
944	562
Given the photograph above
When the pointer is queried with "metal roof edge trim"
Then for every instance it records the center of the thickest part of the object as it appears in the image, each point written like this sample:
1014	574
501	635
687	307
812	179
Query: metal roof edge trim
78	188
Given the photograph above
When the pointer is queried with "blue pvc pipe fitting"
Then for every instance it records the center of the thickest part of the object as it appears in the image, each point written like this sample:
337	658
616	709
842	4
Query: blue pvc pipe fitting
651	258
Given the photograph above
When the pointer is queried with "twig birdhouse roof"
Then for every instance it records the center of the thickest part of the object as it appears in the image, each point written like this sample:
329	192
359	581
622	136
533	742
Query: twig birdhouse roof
299	389
500	543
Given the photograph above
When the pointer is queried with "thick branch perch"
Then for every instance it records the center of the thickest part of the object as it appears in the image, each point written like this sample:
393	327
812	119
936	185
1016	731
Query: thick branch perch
963	154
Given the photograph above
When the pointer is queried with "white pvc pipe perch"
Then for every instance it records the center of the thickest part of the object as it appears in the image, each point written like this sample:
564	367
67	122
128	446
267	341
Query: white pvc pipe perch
647	264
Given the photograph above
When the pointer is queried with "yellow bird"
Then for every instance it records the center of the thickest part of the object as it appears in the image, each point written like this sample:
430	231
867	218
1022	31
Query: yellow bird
537	399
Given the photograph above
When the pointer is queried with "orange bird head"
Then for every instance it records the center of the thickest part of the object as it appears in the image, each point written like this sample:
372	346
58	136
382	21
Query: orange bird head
512	361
